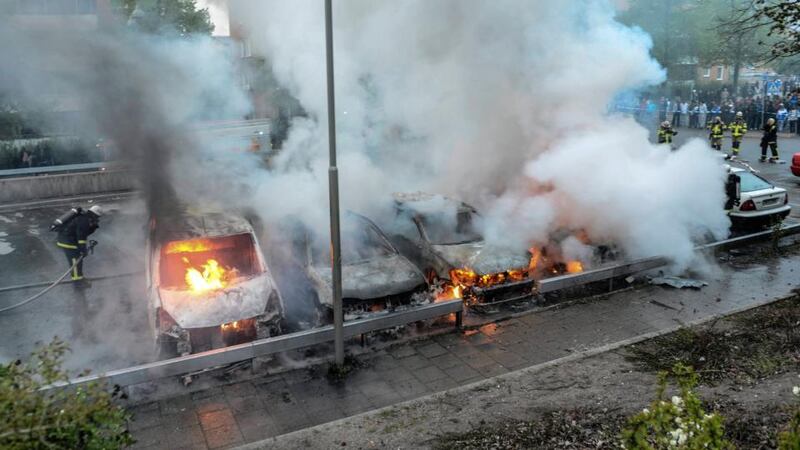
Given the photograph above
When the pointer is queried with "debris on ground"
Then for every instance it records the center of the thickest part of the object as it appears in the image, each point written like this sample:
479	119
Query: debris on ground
575	429
746	347
678	282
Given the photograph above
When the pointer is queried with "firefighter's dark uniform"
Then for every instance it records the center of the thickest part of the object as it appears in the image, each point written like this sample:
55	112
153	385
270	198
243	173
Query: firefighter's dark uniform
717	130
738	130
770	139
665	135
72	238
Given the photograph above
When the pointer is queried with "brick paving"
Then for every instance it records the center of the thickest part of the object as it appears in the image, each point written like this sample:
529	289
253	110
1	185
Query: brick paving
228	416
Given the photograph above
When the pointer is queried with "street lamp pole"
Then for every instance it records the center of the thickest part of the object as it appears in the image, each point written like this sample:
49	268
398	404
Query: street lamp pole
333	191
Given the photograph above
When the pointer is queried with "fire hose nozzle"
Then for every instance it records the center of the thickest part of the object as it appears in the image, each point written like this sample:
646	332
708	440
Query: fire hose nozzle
91	246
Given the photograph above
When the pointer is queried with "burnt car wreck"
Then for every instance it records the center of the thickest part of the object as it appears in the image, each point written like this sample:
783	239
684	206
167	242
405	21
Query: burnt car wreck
376	278
209	285
440	235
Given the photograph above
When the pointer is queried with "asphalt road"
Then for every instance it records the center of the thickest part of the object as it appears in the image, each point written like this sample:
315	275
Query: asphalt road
106	326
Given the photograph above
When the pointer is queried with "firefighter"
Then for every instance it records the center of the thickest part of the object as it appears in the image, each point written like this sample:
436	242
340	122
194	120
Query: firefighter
72	238
717	128
738	130
769	139
665	133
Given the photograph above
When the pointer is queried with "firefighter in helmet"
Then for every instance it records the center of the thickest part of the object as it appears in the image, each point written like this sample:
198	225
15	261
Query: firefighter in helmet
769	139
665	133
717	128
73	238
738	130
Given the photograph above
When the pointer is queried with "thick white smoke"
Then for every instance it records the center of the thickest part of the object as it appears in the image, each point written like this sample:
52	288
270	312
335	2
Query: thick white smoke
502	104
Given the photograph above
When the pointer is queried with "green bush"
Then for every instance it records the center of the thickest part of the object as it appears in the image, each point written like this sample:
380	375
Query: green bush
85	417
790	439
678	423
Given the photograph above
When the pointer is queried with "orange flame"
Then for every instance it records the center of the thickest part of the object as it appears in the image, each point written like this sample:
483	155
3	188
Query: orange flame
536	255
212	277
574	267
449	291
232	326
194	246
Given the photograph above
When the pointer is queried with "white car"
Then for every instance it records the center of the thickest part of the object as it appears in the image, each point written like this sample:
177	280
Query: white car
758	202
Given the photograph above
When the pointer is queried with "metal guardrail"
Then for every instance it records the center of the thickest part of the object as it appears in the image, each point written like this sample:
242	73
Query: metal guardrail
590	276
61	169
786	230
640	265
242	352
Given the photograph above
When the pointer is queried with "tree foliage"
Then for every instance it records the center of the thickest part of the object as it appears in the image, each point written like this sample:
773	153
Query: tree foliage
696	31
85	417
166	16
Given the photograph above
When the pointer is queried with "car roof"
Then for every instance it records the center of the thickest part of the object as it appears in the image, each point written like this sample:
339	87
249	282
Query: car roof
184	224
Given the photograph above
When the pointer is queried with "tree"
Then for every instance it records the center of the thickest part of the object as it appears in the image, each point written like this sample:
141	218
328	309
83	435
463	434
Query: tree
84	417
778	19
734	46
679	28
688	32
166	16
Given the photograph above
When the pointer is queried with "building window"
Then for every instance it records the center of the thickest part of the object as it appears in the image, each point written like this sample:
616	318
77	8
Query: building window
720	73
707	72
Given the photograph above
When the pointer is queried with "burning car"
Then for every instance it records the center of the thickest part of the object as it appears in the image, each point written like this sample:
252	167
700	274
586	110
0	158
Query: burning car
375	276
209	285
440	236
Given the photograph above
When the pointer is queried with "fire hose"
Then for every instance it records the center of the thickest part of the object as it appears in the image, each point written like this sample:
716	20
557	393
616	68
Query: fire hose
90	247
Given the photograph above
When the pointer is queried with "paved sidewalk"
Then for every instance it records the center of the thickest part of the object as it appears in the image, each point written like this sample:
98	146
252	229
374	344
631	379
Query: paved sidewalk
249	411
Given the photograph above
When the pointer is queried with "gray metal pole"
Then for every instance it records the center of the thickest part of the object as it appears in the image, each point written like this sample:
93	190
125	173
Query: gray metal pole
333	190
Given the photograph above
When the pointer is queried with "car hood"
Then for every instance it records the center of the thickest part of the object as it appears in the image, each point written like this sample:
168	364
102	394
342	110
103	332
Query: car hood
481	258
240	300
375	278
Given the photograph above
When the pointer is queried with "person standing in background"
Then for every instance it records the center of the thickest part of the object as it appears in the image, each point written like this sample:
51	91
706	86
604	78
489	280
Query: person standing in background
781	115
676	113
738	130
717	129
769	139
685	110
702	117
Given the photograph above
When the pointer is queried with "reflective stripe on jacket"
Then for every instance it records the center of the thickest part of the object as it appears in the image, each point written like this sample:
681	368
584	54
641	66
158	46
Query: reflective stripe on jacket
738	129
716	130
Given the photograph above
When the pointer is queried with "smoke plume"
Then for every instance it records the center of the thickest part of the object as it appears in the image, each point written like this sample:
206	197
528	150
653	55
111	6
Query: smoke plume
503	104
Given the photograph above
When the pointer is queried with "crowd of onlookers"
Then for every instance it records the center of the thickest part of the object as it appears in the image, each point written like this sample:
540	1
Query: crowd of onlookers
700	108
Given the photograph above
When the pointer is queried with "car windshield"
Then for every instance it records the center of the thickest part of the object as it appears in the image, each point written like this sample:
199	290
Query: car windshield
361	241
752	182
444	229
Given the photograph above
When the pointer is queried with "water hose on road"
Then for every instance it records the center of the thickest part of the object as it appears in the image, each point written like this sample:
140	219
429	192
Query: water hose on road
47	289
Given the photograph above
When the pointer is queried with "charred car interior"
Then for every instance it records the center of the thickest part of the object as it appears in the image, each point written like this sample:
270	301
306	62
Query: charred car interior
375	276
441	236
209	283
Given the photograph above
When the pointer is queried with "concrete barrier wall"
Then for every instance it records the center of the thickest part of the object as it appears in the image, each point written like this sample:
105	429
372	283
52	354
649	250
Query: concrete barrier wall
42	187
